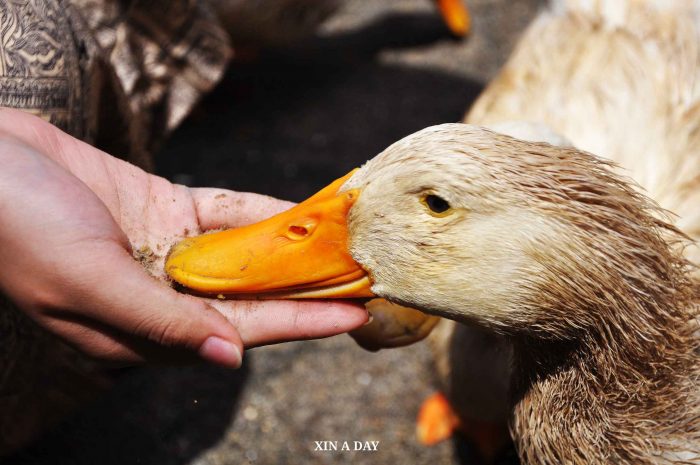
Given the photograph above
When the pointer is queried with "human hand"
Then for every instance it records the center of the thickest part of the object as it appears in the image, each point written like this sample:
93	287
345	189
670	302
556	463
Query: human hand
72	216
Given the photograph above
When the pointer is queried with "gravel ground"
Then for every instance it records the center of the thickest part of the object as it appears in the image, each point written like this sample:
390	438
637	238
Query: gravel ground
286	125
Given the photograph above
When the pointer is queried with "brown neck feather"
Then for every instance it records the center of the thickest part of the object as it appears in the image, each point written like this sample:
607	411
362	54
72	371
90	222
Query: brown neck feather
613	395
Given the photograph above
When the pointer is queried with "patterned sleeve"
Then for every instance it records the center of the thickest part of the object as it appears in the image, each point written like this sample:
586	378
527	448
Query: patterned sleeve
120	74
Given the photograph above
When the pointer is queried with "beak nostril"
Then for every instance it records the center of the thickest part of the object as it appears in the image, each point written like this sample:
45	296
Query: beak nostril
301	228
298	232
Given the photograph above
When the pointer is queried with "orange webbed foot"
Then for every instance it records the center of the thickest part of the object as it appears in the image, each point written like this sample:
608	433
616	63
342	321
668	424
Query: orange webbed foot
436	420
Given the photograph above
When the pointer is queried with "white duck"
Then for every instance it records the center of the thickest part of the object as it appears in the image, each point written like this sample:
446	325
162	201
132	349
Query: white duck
613	77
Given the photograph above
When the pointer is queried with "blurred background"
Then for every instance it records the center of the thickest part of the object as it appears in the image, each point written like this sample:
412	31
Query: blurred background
285	123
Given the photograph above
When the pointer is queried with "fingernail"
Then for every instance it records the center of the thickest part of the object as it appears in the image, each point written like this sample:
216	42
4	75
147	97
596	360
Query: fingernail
221	352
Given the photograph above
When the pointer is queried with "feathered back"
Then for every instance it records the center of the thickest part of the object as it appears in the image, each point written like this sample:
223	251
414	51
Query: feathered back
618	78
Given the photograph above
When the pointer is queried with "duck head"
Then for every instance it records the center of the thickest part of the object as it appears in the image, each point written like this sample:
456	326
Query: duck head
460	222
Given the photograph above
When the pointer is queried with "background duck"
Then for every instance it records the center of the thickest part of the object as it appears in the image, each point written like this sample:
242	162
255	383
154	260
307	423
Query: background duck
617	78
279	22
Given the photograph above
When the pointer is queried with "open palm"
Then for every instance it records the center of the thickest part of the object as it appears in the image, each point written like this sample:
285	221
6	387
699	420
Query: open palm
74	218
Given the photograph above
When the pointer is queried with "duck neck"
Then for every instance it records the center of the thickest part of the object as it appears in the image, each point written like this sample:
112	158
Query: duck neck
613	396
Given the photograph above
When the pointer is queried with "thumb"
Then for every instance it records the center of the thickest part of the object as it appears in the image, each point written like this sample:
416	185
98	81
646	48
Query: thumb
162	321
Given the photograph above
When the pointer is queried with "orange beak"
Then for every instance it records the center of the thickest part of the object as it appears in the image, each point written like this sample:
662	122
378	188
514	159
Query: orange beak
301	253
456	16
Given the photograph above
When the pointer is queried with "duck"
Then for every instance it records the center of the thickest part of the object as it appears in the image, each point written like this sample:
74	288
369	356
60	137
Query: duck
510	227
622	86
269	23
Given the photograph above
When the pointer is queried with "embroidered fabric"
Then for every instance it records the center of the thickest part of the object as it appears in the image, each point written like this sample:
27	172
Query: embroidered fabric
120	74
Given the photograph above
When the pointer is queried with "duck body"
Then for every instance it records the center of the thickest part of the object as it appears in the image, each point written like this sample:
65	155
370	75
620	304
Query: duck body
617	78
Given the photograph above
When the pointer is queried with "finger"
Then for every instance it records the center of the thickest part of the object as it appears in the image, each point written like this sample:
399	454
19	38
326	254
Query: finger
271	321
96	343
131	301
115	348
221	208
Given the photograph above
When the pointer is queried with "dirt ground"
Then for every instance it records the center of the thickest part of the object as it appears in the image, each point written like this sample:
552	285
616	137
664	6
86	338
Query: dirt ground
286	125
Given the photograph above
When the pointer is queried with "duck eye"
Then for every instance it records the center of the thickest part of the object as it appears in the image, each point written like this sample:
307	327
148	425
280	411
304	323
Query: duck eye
436	204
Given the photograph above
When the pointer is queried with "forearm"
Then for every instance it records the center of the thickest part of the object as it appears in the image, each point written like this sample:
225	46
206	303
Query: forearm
40	73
